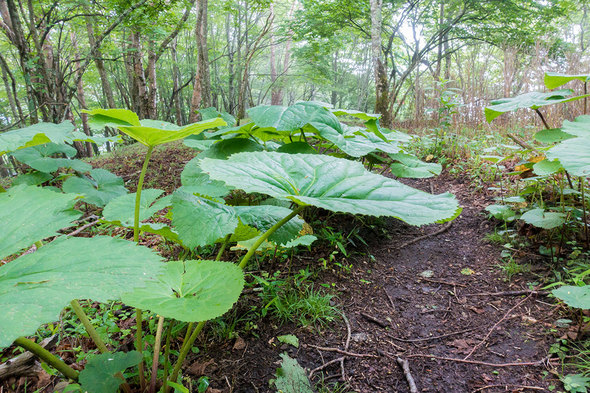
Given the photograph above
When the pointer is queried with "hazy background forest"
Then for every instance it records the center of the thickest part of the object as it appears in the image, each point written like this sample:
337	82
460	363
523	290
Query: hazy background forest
167	59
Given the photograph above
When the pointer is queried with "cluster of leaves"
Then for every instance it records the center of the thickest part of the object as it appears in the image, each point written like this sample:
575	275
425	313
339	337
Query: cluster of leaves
565	154
262	157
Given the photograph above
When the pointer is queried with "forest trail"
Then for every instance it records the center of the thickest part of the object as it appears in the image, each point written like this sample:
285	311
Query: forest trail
425	290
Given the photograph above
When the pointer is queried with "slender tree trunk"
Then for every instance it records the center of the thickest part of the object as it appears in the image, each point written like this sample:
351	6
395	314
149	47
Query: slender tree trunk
201	97
81	96
104	80
381	81
176	85
152	86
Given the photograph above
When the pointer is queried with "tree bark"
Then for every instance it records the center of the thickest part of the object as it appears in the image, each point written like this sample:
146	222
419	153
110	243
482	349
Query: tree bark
201	97
104	80
381	80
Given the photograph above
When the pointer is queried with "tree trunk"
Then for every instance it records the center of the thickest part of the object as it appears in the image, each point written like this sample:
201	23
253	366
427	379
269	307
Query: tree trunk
201	97
381	81
104	80
81	96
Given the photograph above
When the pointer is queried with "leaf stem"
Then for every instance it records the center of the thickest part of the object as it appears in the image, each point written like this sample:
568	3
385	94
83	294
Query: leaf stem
138	193
47	357
186	346
167	354
266	234
79	311
157	345
139	346
223	246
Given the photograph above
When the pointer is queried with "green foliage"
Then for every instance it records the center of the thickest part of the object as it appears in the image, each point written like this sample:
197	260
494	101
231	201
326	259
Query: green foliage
34	135
39	158
574	296
190	291
330	183
554	79
121	208
543	219
98	375
35	287
575	383
99	189
29	214
407	165
291	377
289	339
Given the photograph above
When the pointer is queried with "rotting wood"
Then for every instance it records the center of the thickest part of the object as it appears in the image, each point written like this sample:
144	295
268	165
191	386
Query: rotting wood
407	373
25	364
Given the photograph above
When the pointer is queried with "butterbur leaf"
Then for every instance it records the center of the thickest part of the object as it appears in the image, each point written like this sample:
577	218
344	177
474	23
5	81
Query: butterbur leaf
34	288
98	375
532	100
410	166
297	148
99	189
552	135
39	158
30	213
574	154
212	113
579	127
31	179
546	167
191	291
200	221
576	297
305	240
542	219
555	79
227	147
291	377
35	134
155	133
294	117
101	118
358	114
331	183
501	212
195	181
122	208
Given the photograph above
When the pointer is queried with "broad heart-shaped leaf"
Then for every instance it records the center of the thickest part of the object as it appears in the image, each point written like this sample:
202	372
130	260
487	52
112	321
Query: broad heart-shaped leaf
212	113
542	219
30	213
156	132
98	375
577	297
552	135
32	179
101	118
555	79
294	117
194	180
331	183
574	155
97	190
122	208
191	291
358	114
227	147
410	166
579	127
39	158
200	221
36	134
36	287
355	141
501	212
532	100
546	167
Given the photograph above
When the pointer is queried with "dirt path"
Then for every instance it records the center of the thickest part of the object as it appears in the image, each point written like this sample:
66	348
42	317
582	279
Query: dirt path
421	292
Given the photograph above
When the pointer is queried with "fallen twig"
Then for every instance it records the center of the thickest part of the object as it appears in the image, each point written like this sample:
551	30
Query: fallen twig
507	386
515	364
374	320
417	239
494	327
346	345
509	293
83	227
343	352
323	366
406	367
414	340
390	299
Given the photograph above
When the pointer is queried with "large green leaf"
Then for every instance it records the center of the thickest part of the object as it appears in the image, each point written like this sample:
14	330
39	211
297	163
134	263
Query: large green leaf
542	219
191	291
194	180
156	132
98	189
501	212
574	155
98	375
294	117
227	147
359	115
552	135
291	377
356	141
577	297
579	127
36	287
532	100
101	118
407	165
331	183
32	178
36	134
555	79
40	158
122	208
546	167
30	213
212	113
200	221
